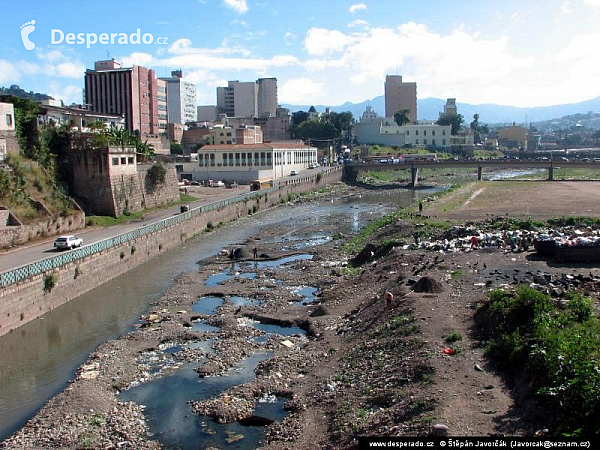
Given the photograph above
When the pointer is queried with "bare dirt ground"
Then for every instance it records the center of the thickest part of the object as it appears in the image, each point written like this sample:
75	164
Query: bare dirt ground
367	367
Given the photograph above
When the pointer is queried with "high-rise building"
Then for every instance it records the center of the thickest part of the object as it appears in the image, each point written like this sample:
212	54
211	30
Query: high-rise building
450	106
400	95
248	99
181	98
133	92
267	97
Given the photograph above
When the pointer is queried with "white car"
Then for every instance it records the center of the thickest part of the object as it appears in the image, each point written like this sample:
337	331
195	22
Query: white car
218	184
67	242
294	172
313	166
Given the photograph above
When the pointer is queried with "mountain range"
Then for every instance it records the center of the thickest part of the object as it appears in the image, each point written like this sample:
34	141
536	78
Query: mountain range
430	108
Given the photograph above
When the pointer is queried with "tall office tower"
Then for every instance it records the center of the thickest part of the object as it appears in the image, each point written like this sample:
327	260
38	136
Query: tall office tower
238	99
400	95
132	92
181	98
267	97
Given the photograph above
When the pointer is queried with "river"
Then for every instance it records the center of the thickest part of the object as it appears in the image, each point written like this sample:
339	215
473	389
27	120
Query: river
39	358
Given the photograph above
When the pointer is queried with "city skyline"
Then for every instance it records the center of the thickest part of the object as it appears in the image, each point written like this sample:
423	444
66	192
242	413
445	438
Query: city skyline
534	53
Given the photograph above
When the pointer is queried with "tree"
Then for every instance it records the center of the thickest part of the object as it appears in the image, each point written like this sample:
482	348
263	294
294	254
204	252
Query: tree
454	120
298	117
26	112
144	150
176	148
402	117
475	128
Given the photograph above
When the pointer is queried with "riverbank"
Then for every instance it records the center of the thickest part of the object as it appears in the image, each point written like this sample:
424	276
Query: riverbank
364	366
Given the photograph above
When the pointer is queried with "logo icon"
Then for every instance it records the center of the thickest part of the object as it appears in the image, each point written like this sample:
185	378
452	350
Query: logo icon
26	30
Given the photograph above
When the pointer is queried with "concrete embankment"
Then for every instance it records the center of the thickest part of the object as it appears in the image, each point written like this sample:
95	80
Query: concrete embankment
28	292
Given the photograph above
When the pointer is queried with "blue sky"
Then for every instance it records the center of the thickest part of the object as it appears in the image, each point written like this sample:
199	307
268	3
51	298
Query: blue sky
521	53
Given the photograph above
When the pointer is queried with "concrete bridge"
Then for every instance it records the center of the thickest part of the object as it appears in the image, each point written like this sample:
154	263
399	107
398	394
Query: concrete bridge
353	169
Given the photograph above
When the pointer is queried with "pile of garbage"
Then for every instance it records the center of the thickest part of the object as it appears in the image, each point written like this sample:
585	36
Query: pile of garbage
468	238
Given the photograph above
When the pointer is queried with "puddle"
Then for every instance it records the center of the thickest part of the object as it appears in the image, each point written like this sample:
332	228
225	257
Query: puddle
206	346
207	305
270	328
203	326
232	272
308	293
175	425
243	301
283	261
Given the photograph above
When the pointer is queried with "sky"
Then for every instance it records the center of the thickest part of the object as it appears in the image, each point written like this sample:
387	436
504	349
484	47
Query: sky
322	52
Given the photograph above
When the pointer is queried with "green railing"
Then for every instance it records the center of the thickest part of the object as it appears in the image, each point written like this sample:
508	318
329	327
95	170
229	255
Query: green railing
29	270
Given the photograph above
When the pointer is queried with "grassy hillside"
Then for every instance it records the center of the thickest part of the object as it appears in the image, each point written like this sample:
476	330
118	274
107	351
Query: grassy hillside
23	183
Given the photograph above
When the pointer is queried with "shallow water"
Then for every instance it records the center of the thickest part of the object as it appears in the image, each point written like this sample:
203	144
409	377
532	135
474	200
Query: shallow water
40	357
172	420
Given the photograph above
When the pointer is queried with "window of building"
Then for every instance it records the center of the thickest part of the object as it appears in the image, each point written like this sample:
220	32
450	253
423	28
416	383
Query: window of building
433	132
433	142
424	141
417	132
9	120
237	159
443	132
131	160
424	132
443	141
407	132
115	161
123	160
212	159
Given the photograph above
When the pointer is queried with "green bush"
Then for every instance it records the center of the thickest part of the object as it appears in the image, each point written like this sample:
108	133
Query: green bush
558	348
49	282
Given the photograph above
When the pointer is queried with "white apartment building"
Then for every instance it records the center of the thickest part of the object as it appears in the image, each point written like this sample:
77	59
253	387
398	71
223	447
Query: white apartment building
244	163
248	99
373	129
181	99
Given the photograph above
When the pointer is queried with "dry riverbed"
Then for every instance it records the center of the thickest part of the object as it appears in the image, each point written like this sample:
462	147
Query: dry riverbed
361	366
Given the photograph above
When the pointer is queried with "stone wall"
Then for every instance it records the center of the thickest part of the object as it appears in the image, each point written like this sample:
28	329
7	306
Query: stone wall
52	226
12	144
31	298
135	192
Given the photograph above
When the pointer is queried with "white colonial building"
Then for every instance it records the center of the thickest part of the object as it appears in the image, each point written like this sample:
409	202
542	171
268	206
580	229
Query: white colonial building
244	163
374	129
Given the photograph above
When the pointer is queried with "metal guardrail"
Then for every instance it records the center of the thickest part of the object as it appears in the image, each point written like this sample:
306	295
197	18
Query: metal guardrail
29	270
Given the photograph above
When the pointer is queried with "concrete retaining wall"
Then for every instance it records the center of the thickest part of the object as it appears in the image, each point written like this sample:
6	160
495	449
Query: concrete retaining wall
32	297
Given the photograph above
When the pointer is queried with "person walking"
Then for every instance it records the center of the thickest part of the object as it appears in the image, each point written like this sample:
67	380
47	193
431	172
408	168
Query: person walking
255	251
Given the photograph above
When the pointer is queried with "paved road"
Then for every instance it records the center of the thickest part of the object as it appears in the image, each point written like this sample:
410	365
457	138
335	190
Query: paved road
38	250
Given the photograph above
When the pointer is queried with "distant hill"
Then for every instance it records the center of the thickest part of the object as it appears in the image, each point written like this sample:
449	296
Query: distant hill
18	92
429	109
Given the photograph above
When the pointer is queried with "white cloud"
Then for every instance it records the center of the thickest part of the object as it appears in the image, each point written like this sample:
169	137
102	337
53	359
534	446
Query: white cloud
515	18
138	59
300	90
69	94
358	23
289	38
593	3
66	70
566	8
357	7
238	6
320	41
8	72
